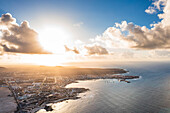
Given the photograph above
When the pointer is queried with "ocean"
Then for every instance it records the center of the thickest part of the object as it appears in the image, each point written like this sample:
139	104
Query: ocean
149	94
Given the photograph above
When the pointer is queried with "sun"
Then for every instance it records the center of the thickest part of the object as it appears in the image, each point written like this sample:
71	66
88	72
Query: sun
53	38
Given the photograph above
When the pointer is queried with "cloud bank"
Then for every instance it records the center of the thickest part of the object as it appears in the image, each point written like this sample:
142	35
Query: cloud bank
125	34
96	50
19	38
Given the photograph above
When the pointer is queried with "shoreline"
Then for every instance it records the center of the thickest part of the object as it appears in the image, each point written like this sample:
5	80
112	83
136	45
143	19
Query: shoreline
8	103
87	89
79	94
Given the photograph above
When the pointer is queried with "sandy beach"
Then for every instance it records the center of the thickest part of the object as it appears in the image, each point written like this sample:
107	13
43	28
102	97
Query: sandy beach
7	103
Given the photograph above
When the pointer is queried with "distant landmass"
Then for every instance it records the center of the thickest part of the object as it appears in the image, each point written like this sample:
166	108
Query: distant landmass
2	68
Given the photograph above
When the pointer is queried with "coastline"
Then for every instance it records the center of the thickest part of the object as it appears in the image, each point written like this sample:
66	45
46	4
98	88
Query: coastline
115	77
82	96
33	94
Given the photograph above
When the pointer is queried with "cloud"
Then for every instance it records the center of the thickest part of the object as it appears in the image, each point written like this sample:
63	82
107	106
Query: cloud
150	10
127	54
78	42
112	38
96	49
156	5
6	19
157	37
73	50
159	54
162	53
19	38
125	34
78	24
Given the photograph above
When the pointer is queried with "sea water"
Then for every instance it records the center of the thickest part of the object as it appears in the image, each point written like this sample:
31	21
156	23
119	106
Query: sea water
149	94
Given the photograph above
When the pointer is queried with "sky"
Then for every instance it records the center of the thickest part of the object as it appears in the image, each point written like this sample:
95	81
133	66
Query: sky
52	32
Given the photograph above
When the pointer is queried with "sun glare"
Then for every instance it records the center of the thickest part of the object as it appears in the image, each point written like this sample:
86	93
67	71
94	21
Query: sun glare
54	38
47	60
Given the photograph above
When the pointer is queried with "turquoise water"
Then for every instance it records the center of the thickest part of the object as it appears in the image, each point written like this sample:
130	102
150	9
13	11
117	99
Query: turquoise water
149	94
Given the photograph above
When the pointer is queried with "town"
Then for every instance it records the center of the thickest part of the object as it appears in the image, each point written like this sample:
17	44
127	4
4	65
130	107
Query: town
35	88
